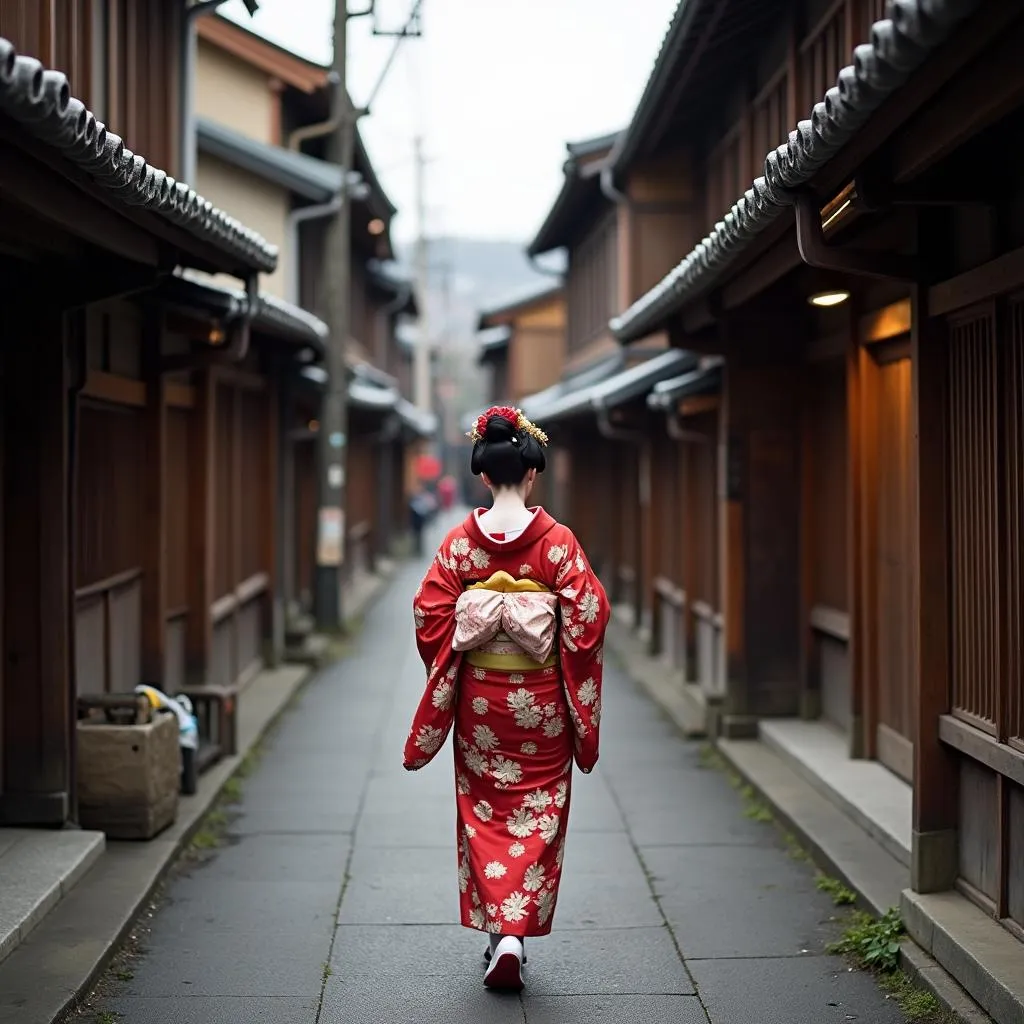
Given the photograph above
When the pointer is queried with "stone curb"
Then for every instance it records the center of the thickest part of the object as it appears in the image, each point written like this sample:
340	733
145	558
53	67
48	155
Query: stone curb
918	965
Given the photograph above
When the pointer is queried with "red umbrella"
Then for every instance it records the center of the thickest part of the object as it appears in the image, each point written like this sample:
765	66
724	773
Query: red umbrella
428	467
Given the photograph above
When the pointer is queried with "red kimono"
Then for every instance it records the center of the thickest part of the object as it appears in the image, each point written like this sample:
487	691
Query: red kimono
511	634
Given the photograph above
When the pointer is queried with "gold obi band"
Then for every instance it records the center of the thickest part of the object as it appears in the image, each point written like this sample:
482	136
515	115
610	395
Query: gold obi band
502	654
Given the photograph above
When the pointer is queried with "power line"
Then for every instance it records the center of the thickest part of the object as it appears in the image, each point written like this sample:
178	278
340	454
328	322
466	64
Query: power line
399	36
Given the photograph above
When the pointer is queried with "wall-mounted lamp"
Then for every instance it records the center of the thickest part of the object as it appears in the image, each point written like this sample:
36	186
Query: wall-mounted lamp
216	335
314	426
376	226
826	299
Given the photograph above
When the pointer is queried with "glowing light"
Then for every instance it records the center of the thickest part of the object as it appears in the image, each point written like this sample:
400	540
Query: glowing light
826	299
376	226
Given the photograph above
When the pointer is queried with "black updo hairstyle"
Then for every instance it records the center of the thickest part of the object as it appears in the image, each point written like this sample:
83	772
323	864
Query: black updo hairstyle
506	454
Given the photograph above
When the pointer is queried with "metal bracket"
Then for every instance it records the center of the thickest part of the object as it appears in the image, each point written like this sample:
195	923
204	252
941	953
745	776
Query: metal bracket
816	252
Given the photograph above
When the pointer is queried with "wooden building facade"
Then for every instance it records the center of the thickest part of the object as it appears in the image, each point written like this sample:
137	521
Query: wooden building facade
852	428
157	513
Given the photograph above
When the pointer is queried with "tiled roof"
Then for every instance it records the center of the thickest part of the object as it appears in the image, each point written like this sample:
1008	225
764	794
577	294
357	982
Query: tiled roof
898	46
40	101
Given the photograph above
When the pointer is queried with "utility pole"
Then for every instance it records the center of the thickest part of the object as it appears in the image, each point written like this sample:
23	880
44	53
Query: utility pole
421	354
332	440
332	446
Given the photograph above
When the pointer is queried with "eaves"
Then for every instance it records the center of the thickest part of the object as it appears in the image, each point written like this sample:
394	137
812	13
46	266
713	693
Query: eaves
898	47
40	102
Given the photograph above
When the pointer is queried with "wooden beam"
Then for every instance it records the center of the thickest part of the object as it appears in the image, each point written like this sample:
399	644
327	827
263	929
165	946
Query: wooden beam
1003	274
154	504
109	387
180	396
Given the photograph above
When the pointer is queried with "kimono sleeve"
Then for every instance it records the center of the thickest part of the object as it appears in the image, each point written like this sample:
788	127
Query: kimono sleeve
434	616
584	617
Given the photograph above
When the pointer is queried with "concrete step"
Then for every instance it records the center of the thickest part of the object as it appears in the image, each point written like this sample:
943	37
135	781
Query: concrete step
38	868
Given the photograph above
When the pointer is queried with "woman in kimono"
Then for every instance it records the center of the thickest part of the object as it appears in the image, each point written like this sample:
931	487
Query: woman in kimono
510	623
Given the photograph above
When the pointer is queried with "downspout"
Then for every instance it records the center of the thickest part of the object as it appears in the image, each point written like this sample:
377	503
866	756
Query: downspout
317	131
295	219
236	323
187	137
676	430
608	189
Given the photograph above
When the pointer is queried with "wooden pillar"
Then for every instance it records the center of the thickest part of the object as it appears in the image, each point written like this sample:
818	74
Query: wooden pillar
154	506
934	851
202	524
761	521
38	725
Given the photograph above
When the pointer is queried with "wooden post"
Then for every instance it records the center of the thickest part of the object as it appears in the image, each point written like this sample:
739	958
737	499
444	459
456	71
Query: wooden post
154	488
201	497
38	727
236	502
934	850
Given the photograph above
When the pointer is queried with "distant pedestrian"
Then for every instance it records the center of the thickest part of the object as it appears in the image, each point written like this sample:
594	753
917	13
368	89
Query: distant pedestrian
421	507
446	488
510	623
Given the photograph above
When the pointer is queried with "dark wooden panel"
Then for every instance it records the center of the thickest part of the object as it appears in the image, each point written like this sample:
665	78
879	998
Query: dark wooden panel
1015	856
124	635
772	577
829	484
110	478
91	645
834	672
177	507
894	670
974	523
305	520
224	491
250	637
979	840
221	671
175	656
254	508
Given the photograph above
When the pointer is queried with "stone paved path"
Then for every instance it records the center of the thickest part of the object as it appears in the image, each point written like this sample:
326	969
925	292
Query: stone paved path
335	899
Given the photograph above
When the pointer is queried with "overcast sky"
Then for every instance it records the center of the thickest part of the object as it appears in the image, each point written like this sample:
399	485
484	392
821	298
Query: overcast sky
495	87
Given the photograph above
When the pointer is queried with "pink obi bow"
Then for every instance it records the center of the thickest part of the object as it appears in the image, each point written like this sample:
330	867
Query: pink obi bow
528	617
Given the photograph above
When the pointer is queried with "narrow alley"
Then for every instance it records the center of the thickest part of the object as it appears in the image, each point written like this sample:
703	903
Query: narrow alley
334	898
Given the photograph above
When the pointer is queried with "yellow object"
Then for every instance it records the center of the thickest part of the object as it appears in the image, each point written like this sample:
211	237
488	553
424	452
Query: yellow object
503	583
507	662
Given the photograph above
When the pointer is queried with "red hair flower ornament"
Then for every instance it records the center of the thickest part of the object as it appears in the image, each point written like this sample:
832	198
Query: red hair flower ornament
514	416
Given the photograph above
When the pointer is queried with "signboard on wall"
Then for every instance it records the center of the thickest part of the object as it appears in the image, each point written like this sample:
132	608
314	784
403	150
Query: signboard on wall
330	547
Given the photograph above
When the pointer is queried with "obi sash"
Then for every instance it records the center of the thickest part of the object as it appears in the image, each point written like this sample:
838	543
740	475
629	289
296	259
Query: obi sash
507	624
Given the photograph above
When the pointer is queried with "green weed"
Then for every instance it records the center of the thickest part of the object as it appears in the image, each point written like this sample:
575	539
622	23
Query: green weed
871	943
841	896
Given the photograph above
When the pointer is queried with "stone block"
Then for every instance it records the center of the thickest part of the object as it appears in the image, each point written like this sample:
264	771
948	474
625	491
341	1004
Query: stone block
128	777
